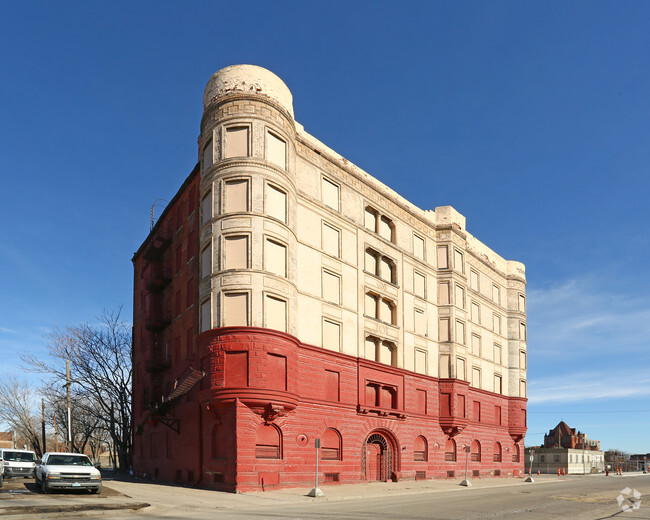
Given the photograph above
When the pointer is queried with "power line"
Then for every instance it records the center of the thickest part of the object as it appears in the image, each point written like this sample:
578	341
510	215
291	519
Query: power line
599	411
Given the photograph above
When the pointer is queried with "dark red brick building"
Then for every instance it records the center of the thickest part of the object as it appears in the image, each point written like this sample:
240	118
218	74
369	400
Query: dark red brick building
284	296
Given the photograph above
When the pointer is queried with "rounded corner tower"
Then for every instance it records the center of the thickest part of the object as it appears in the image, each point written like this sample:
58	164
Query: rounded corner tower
250	80
248	201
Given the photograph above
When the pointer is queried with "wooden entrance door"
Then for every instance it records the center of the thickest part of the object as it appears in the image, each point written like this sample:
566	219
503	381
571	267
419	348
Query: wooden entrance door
374	462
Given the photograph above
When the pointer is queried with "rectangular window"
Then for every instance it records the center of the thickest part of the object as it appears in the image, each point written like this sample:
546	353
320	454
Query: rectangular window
276	150
387	270
236	369
332	385
331	335
236	141
522	359
496	323
458	261
275	313
419	284
331	287
476	377
473	280
522	303
235	196
206	261
371	306
276	203
475	313
496	294
522	388
330	194
206	207
371	259
444	364
235	252
277	365
477	411
331	240
460	332
387	353
420	361
235	309
370	219
371	348
385	228
498	387
443	293
497	409
497	354
420	322
387	311
522	331
476	345
460	368
459	296
418	247
275	257
206	316
443	257
443	329
421	401
208	154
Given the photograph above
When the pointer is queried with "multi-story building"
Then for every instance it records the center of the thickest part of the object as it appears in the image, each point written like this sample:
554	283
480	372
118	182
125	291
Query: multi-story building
285	296
568	451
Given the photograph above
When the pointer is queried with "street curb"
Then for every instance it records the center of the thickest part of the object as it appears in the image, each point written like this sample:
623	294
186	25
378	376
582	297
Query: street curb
27	510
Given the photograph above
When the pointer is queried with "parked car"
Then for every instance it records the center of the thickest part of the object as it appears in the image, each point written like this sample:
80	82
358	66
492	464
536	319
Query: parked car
67	471
2	469
18	463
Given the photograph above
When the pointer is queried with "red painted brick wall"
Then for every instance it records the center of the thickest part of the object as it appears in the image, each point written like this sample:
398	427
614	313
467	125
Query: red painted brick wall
232	451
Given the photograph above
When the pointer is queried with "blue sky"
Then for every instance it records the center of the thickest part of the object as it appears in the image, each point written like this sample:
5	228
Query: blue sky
530	118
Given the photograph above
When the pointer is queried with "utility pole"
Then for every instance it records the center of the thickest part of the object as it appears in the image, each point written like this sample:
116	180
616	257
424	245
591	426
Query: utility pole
56	434
67	384
584	461
43	425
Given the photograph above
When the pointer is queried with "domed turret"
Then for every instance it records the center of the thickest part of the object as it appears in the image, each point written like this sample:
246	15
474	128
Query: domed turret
247	79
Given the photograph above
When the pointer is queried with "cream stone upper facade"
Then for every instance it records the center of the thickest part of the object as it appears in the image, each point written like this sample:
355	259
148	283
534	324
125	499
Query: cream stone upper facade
294	237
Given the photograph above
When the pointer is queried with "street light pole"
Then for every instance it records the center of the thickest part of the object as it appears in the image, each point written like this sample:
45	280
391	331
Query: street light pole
466	482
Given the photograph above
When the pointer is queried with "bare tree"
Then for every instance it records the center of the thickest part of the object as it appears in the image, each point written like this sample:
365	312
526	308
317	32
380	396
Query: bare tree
100	361
87	417
18	405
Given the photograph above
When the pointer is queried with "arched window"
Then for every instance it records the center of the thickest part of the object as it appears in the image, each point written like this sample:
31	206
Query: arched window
330	445
450	451
268	442
515	454
476	451
497	452
420	451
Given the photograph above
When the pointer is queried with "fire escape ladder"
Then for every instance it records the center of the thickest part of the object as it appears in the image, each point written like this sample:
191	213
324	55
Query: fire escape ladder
161	411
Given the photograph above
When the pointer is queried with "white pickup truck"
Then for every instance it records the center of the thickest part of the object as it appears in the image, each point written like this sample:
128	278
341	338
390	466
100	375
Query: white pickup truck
67	471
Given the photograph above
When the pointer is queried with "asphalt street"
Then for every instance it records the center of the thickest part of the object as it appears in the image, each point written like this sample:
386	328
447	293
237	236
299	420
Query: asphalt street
594	497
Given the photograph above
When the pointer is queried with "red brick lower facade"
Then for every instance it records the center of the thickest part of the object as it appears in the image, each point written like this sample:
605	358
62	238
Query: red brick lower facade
266	398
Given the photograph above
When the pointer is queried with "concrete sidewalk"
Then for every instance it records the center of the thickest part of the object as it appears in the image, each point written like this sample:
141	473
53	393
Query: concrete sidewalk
23	498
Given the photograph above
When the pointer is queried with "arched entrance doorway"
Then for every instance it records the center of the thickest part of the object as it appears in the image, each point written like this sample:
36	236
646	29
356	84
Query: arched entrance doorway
377	458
